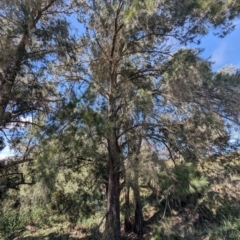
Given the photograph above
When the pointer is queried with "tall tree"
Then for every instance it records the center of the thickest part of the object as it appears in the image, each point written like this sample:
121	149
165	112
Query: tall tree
137	91
130	76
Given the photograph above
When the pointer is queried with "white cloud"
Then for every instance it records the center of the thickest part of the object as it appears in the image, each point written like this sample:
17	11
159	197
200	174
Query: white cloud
21	122
2	156
26	119
219	55
6	152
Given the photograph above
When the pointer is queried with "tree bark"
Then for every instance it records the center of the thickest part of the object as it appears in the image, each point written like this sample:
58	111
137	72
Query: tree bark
127	221
112	228
139	220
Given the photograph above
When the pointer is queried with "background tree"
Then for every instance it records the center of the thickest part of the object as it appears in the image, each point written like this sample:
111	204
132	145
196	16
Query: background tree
33	34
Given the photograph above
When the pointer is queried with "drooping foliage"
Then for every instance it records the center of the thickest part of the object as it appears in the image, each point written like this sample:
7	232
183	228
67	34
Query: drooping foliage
31	38
129	101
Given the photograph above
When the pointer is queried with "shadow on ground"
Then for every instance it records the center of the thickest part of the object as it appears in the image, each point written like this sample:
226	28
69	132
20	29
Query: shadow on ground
55	236
51	236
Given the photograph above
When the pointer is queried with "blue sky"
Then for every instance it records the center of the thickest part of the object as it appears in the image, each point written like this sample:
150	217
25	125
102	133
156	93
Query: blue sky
222	51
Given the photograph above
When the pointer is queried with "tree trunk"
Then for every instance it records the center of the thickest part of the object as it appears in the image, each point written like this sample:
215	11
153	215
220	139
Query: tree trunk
127	221
139	221
112	228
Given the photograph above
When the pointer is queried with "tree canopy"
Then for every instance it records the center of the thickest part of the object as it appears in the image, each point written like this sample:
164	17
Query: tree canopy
109	103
